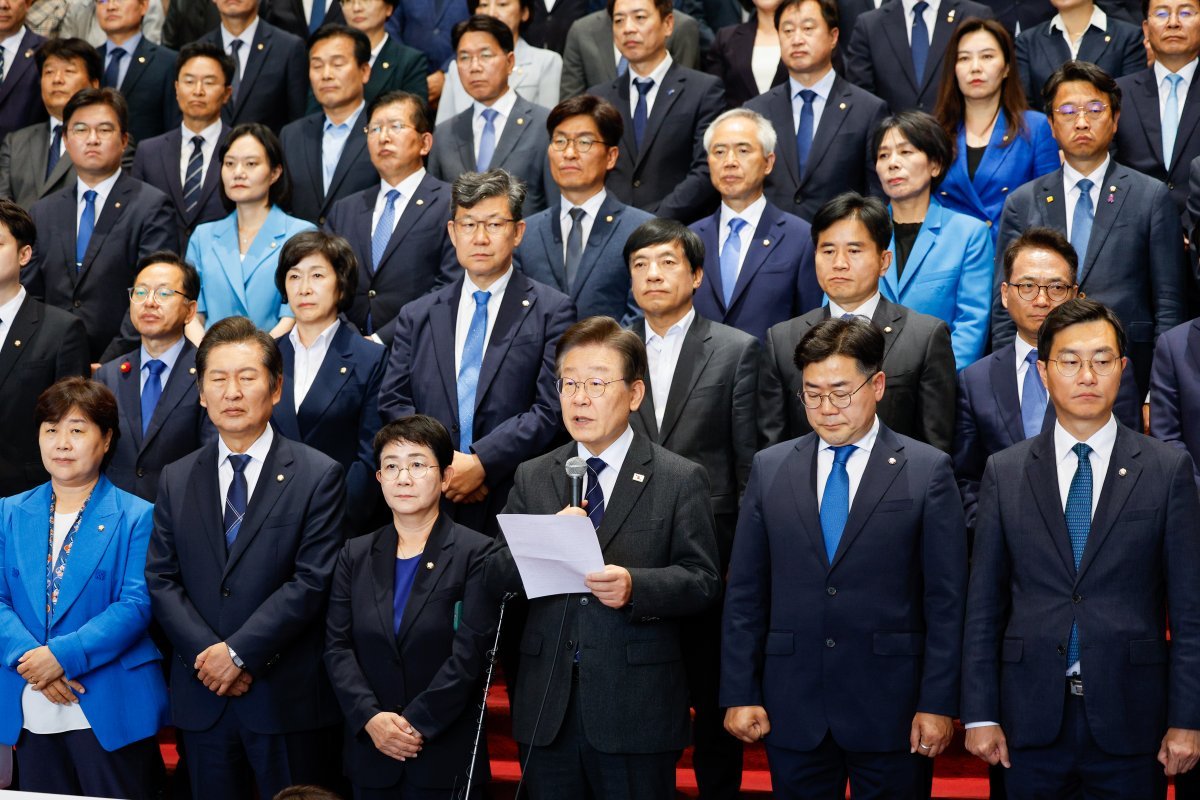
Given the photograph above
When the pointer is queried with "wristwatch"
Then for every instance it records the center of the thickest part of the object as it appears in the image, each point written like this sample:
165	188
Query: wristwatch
237	661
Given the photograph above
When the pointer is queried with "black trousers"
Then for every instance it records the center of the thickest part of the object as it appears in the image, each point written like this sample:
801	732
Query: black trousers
74	763
821	774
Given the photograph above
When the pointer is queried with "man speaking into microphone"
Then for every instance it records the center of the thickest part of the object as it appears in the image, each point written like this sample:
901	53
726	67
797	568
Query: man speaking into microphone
600	707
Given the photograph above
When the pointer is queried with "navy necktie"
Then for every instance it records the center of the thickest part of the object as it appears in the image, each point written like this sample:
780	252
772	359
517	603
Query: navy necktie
112	75
595	494
152	391
235	500
1033	398
55	151
835	500
1081	220
318	16
1079	525
804	131
574	246
468	371
920	41
235	50
640	111
195	171
87	224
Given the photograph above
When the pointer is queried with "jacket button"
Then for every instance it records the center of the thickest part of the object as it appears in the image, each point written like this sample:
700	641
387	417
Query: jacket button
141	473
570	645
830	643
989	223
370	293
321	221
1171	186
583	601
78	304
225	591
1062	651
830	591
637	184
1075	598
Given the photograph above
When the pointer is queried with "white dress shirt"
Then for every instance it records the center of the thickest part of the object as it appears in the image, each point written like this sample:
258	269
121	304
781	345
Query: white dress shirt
1072	176
823	88
764	63
247	39
1188	73
309	359
8	312
1022	347
127	59
930	16
466	310
613	458
1098	21
591	209
62	140
407	188
662	355
657	75
168	358
504	105
102	190
377	49
856	463
258	454
12	49
866	310
211	136
751	214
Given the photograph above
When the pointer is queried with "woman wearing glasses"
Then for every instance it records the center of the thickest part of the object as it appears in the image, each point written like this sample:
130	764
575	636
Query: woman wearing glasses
409	627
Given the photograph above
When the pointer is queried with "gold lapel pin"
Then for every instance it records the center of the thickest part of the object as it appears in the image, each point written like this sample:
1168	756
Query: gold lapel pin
260	46
279	477
842	106
950	16
1050	199
1112	188
192	371
99	527
272	244
1107	38
1006	137
608	218
891	460
29	54
342	370
766	242
386	65
525	303
141	59
17	343
888	329
118	205
520	120
1122	471
420	202
1004	188
428	565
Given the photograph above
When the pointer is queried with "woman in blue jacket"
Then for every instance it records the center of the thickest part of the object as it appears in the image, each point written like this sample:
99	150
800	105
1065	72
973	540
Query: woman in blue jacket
81	688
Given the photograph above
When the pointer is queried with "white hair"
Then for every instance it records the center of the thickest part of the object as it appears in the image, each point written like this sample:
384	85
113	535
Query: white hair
766	131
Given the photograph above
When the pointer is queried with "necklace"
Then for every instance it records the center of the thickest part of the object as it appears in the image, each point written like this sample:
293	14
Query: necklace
400	549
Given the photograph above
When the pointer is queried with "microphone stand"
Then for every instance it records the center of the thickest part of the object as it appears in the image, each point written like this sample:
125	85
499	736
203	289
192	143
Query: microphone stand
487	685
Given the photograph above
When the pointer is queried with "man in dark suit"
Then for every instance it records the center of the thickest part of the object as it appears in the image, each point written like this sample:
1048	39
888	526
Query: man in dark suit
576	245
591	58
896	51
665	107
852	236
19	98
246	532
34	162
93	233
477	355
290	15
501	129
1084	539
142	70
38	345
1123	227
602	699
396	228
326	152
759	260
548	27
427	25
188	20
834	134
1174	410
155	385
842	637
699	403
270	77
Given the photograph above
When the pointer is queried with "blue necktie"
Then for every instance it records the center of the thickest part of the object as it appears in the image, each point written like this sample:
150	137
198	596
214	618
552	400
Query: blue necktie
1081	221
235	500
318	16
1079	525
595	494
804	131
112	75
87	224
55	152
1170	120
835	501
195	170
235	48
920	41
640	111
730	255
487	140
622	66
468	372
383	230
1033	398
152	391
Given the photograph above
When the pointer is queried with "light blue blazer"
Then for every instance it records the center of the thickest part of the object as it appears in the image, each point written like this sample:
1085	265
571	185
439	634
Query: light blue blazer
231	286
99	634
1005	166
949	276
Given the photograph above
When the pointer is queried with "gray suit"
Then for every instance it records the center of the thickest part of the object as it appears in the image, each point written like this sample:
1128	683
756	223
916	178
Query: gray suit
23	159
588	57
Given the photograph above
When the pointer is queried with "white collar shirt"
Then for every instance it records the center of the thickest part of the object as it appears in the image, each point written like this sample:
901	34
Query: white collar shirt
751	214
1099	21
930	16
466	310
1071	178
258	456
12	50
334	136
591	210
103	189
246	37
168	358
1022	348
1188	73
62	140
407	188
823	88
126	59
211	138
377	49
504	108
8	312
657	75
309	360
662	353
613	457
866	310
856	463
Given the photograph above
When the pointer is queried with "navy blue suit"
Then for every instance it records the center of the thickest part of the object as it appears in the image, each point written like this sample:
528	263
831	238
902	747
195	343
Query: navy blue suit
426	25
1175	389
602	285
21	89
1118	50
156	162
149	89
301	142
274	84
777	280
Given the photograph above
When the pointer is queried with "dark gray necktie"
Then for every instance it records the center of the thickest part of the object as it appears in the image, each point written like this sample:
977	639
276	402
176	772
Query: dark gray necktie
574	245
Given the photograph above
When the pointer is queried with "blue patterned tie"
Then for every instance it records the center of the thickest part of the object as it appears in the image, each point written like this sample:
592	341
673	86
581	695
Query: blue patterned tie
640	111
235	500
595	494
468	372
235	52
804	131
383	230
195	171
920	41
835	501
1033	398
112	75
1170	120
730	255
1081	220
152	391
1079	525
487	140
87	224
55	152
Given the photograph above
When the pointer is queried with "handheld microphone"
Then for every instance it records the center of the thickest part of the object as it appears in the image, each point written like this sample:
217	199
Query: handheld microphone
576	470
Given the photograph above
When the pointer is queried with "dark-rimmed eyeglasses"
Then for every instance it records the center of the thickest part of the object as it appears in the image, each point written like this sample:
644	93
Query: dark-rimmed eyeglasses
838	398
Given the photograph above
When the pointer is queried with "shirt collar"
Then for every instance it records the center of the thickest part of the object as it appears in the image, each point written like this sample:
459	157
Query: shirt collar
504	104
614	455
1072	176
1022	349
55	121
867	309
377	49
8	311
751	214
246	36
257	451
14	42
656	75
407	187
680	328
591	206
497	288
320	343
349	121
823	87
934	5
130	45
1102	441
210	135
865	443
102	189
169	357
1187	72
1099	20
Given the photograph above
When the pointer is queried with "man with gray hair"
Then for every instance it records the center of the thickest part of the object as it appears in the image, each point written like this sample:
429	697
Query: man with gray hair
758	260
478	354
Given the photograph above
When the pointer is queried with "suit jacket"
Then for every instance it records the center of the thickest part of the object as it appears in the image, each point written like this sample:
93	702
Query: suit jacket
729	59
602	285
137	219
23	158
157	163
1118	50
265	597
988	417
43	345
665	177
354	172
340	413
1174	401
536	76
549	28
516	405
917	360
1140	558
149	89
632	690
777	280
1026	13
879	58
947	276
521	149
816	640
100	629
21	89
426	25
189	20
398	67
431	671
588	58
288	15
274	78
840	159
418	259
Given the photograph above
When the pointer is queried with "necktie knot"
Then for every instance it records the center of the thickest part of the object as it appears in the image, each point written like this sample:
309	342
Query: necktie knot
57	131
919	8
842	454
239	462
391	197
1082	451
735	226
643	85
236	45
89	196
807	96
117	53
596	465
481	298
1085	186
489	114
576	213
1031	359
155	367
1174	79
197	143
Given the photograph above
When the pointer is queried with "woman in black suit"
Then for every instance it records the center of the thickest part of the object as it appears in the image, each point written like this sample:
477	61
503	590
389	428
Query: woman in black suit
746	56
409	626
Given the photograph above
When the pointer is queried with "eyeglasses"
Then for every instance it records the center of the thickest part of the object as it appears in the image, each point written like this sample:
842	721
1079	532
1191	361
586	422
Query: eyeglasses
1162	16
140	294
416	470
485	58
838	398
103	131
1069	366
1030	291
1093	110
393	129
593	386
582	143
494	227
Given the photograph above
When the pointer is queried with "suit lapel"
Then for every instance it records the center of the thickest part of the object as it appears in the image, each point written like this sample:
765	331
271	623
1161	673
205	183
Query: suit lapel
779	111
279	463
270	237
209	502
800	480
1050	203
1002	376
169	164
895	28
95	533
129	395
439	553
383	580
550	239
256	55
994	155
943	29
139	62
181	380
626	492
462	133
1189	120
926	239
603	227
224	249
646	411
837	109
334	372
283	417
114	207
884	465
767	237
352	153
309	177
515	306
22	64
22	329
423	200
1145	103
33	534
1124	469
1042	475
672	89
514	129
890	319
693	357
442	318
1108	211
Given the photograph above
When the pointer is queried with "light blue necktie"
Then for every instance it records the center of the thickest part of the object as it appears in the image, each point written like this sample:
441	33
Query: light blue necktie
87	224
468	372
835	501
622	66
920	41
112	75
1081	220
641	110
730	254
1170	120
804	131
1079	525
1033	398
383	230
235	500
595	493
487	140
152	391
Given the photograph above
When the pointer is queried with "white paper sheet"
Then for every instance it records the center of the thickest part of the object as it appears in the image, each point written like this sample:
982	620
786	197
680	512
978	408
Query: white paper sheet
553	553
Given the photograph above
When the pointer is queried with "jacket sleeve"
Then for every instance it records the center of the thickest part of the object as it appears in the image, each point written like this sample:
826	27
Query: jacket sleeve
771	407
936	393
358	702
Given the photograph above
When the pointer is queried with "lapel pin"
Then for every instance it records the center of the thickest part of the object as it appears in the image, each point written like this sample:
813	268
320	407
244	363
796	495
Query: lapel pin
260	46
17	343
639	477
141	59
342	370
1004	188
1108	38
1112	188
428	565
191	371
1006	137
945	194
1109	199
891	460
118	205
99	527
766	242
386	65
126	368
842	106
520	120
279	477
272	244
420	202
888	329
29	54
525	303
1122	472
608	218
670	92
1050	199
950	16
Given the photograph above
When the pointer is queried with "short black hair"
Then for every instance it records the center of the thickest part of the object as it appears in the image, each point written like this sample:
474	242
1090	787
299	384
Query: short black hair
362	45
419	429
19	223
419	110
604	332
1084	72
663	7
924	133
526	5
68	49
662	230
482	23
334	249
829	12
472	188
1041	238
93	398
190	277
239	330
603	113
870	211
98	97
281	190
1077	311
205	50
856	338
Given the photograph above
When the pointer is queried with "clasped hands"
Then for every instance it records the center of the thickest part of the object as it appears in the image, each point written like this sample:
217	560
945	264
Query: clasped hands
216	670
394	736
612	586
466	479
930	733
41	670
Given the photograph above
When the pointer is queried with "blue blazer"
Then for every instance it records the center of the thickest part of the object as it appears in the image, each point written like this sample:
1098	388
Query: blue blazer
949	276
231	286
1175	389
1118	50
1005	166
21	89
100	631
777	280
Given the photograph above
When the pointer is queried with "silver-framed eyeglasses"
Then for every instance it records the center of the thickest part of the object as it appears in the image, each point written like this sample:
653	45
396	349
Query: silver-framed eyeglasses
104	130
485	58
416	470
1093	110
1055	291
1162	16
494	227
163	294
582	143
1069	365
838	398
593	386
393	129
